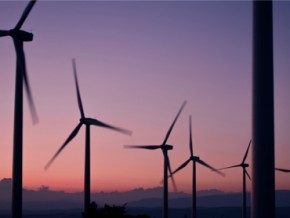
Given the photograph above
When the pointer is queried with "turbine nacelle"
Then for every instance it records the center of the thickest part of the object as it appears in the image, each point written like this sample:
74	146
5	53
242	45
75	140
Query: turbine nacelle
166	147
244	165
194	158
87	121
21	35
90	121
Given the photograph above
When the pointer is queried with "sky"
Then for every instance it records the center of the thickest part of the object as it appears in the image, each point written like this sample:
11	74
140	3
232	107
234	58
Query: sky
137	62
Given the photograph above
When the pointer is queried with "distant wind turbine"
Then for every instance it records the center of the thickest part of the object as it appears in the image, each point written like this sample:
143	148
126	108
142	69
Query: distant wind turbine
20	36
245	173
87	122
194	159
164	147
282	170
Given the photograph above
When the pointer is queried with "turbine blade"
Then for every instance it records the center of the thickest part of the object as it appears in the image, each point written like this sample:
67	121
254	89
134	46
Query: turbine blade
78	90
22	66
71	136
248	175
283	170
25	14
4	33
238	165
246	154
149	147
190	137
169	169
101	124
173	183
172	125
181	166
210	167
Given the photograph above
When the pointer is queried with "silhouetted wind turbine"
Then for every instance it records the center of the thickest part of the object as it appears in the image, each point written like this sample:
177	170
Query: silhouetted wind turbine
282	170
194	159
164	147
263	119
245	173
87	122
19	36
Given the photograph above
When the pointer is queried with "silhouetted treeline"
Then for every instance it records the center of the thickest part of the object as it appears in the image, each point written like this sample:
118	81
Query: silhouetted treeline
109	212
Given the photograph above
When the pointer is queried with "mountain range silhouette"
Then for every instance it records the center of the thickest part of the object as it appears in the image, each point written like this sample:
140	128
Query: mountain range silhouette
46	199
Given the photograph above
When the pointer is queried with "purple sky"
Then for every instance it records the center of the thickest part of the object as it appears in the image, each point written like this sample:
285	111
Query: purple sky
137	62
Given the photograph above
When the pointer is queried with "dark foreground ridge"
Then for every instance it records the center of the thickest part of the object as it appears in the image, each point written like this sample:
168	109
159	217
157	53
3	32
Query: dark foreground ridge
202	212
58	204
108	211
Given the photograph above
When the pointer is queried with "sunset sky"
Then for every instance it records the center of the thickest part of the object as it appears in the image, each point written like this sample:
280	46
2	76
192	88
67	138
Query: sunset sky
137	62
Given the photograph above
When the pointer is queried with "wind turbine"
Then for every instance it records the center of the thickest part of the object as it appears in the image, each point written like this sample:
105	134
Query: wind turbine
20	36
87	122
194	159
245	173
164	147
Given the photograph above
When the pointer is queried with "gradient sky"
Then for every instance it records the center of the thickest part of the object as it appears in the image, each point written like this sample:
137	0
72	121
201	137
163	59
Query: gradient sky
137	62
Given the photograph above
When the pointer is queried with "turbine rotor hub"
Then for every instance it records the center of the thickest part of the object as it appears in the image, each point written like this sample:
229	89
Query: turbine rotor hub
245	165
168	147
83	120
21	35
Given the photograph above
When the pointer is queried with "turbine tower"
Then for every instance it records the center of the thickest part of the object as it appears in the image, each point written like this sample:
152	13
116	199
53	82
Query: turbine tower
164	147
194	159
87	122
20	36
263	149
245	173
